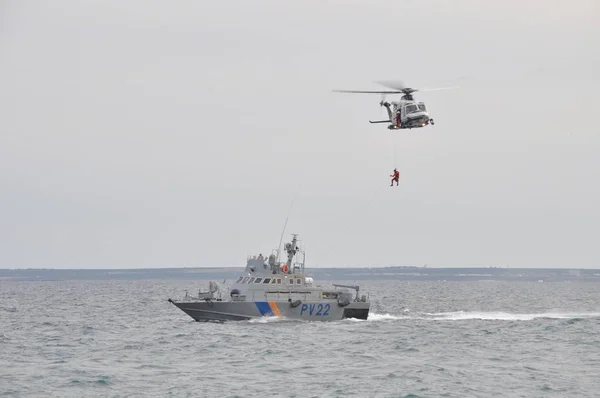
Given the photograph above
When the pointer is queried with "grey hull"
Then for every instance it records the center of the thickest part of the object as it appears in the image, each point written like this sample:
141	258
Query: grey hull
244	310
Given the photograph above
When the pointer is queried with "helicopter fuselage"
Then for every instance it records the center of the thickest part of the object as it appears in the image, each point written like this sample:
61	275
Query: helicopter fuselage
404	114
407	114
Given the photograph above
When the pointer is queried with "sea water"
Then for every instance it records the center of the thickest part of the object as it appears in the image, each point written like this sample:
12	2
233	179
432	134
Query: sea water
121	338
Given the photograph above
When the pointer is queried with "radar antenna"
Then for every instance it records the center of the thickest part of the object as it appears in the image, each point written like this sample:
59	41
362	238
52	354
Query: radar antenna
291	249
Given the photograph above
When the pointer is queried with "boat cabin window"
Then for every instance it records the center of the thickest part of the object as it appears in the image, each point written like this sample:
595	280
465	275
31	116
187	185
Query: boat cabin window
298	281
329	295
251	280
239	279
273	281
246	279
258	280
279	281
267	280
291	281
410	108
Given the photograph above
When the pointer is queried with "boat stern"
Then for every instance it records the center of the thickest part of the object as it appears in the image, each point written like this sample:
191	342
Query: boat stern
356	310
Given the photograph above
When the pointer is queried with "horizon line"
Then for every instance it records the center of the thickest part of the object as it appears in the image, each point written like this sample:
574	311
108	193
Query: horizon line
233	267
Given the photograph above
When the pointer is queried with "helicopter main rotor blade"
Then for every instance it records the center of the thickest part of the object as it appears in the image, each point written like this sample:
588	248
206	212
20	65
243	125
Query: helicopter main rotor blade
398	85
395	84
439	88
367	92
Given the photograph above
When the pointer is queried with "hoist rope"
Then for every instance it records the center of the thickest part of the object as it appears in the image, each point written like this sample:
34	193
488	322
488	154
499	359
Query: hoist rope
394	145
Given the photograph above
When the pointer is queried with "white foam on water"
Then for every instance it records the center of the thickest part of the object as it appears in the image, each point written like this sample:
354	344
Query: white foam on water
451	316
504	316
373	317
267	319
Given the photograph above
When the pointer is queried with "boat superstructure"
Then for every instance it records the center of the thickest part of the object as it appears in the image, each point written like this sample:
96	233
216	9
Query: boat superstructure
269	287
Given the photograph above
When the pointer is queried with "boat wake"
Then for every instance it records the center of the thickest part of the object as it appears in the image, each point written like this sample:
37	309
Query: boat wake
374	317
505	316
273	319
482	315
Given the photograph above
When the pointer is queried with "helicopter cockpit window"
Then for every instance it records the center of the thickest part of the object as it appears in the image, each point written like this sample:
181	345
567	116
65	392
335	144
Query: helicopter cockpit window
422	107
411	108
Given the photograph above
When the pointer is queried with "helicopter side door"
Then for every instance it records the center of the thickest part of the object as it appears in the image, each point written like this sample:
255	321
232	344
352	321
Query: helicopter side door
397	119
403	112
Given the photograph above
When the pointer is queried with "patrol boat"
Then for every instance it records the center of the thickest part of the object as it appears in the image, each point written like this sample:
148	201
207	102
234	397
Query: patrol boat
269	287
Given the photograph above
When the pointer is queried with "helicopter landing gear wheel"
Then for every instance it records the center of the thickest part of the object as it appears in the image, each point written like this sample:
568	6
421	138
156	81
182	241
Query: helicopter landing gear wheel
432	122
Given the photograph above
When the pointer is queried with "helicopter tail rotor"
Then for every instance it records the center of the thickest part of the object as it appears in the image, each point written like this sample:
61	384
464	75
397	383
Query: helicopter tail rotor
384	103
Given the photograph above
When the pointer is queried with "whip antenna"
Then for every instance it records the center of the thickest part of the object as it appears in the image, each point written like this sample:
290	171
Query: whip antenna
284	226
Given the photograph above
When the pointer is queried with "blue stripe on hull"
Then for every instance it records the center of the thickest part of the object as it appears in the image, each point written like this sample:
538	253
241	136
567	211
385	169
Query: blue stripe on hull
264	308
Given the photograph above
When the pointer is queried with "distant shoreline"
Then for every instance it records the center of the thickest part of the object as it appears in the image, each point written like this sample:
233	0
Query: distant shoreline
326	274
238	267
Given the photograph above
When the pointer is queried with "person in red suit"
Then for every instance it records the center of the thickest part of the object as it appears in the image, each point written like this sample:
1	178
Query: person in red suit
395	177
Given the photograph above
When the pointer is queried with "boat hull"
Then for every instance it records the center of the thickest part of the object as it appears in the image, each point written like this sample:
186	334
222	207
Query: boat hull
244	310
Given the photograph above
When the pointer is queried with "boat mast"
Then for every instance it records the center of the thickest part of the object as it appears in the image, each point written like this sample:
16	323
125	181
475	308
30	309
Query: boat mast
291	249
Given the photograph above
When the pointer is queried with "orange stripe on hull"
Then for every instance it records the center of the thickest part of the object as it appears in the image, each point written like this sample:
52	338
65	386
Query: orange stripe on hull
275	308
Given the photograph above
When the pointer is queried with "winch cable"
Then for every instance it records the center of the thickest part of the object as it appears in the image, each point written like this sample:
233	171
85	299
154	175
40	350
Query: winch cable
394	141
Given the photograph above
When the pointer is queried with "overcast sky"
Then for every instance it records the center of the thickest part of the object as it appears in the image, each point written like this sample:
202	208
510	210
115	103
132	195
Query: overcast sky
149	133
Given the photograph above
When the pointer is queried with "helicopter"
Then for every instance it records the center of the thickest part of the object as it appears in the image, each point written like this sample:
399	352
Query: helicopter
407	113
